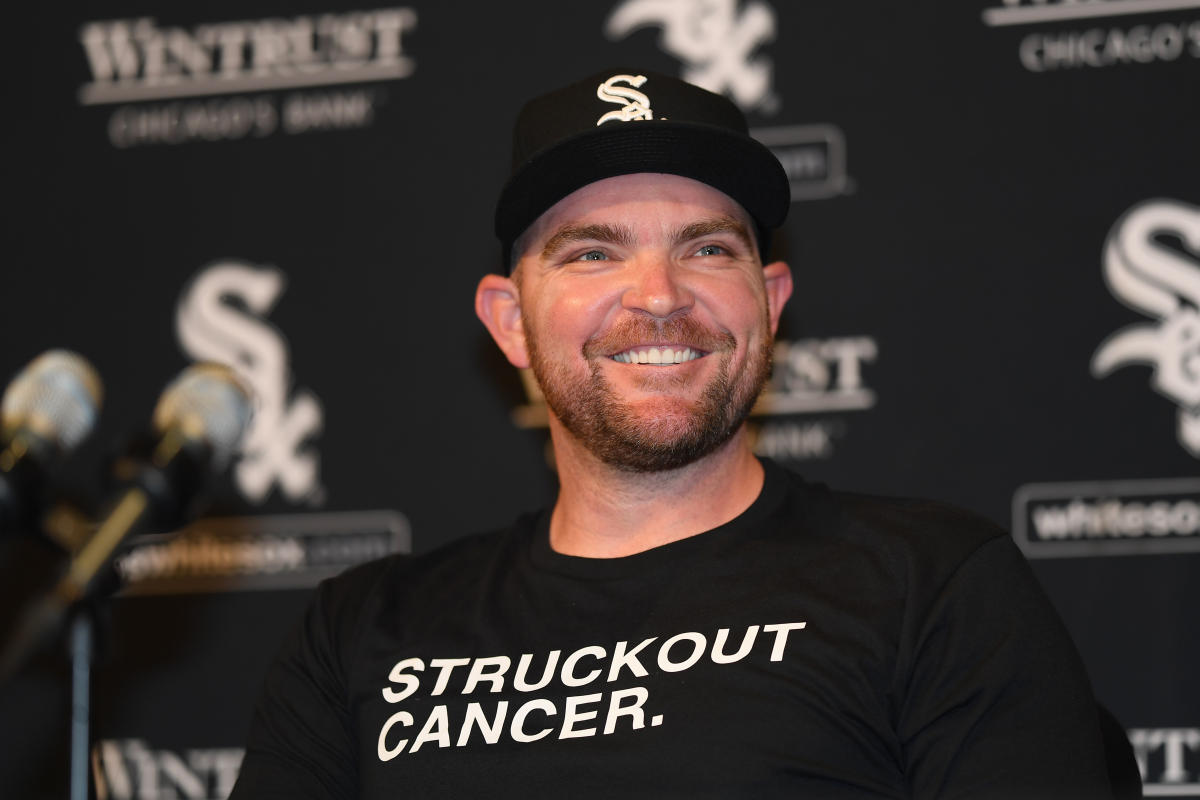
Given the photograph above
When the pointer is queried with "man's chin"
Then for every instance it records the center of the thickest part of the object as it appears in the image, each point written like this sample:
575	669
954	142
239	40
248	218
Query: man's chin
662	432
658	447
658	434
677	408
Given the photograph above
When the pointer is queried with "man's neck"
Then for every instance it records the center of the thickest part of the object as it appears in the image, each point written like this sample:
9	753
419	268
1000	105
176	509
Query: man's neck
606	512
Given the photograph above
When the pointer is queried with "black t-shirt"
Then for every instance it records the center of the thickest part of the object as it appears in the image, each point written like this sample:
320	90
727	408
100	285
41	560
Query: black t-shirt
818	645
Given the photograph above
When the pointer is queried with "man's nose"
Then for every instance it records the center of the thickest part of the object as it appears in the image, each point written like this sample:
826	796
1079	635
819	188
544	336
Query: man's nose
657	288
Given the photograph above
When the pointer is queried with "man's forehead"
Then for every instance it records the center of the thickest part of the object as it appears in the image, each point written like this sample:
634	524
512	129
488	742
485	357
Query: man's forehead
613	200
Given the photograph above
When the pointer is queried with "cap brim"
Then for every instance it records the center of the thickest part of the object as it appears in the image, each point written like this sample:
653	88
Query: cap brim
734	164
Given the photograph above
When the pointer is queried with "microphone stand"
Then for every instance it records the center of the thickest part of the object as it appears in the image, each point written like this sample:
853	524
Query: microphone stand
162	492
82	647
201	417
153	502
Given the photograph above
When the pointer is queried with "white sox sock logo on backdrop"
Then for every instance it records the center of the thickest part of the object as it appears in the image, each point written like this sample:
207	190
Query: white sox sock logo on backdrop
1148	275
634	104
212	328
714	41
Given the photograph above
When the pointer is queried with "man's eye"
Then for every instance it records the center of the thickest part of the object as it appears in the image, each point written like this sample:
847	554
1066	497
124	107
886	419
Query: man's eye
711	250
592	255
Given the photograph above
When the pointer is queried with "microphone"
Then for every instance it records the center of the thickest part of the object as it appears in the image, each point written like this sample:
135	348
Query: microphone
199	421
46	411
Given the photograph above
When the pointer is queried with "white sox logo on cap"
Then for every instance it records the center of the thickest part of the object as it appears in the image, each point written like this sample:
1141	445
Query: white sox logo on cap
561	143
635	104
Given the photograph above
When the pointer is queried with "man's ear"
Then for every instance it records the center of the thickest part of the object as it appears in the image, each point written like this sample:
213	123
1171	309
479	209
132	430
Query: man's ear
498	306
778	279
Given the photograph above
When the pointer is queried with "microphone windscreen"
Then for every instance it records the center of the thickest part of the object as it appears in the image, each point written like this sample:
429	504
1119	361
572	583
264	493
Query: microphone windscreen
56	397
206	403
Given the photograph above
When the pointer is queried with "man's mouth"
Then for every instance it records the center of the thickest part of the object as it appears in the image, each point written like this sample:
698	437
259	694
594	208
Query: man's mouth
660	354
665	343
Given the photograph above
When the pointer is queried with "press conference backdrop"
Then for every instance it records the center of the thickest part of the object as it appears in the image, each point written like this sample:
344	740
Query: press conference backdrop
995	231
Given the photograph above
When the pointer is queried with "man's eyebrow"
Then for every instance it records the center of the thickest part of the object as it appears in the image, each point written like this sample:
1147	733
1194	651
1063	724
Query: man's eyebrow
707	227
615	234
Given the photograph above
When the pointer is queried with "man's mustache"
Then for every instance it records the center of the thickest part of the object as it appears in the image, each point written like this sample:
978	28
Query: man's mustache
635	331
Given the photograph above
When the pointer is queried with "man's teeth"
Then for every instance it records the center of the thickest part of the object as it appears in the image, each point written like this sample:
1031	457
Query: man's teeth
657	355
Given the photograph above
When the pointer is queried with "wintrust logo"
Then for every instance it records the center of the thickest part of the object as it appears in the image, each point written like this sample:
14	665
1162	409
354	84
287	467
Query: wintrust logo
1169	760
1152	264
135	61
716	41
1105	43
129	769
819	375
221	317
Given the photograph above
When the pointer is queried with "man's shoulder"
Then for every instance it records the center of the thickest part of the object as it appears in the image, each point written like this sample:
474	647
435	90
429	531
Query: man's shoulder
916	550
916	517
901	528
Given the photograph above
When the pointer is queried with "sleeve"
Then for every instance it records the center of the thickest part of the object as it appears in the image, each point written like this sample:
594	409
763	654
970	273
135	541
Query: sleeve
994	699
301	742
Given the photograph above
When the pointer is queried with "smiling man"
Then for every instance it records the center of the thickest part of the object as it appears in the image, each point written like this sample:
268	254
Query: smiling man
686	620
642	305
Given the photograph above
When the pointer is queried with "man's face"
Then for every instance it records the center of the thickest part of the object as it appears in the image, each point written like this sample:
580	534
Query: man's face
646	317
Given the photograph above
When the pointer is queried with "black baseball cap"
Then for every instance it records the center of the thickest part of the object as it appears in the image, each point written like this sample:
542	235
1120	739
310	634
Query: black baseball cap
623	121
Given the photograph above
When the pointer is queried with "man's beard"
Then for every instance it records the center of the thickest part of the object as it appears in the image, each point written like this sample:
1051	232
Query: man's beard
617	434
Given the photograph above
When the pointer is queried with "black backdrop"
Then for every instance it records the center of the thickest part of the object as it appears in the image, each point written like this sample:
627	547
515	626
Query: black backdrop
306	189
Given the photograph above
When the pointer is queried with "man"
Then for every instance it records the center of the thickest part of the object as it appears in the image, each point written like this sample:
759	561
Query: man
687	620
